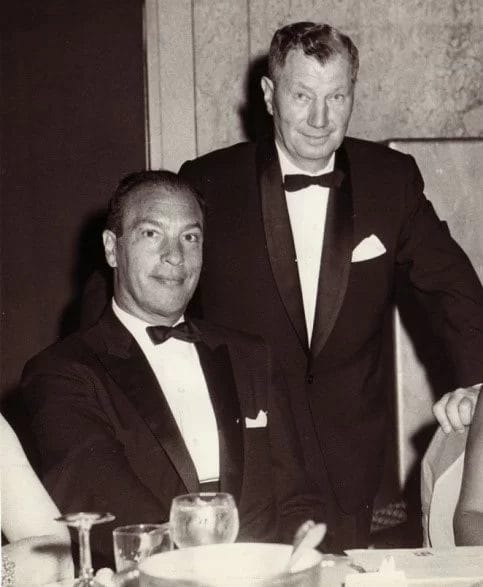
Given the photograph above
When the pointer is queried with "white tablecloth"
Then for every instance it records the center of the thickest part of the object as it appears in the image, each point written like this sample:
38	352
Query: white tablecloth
425	567
430	567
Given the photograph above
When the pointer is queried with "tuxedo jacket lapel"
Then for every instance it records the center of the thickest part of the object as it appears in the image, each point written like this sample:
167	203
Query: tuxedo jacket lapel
221	384
336	257
127	365
280	245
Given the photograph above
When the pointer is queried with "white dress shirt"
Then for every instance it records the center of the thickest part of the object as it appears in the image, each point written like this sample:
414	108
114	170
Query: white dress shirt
307	209
177	368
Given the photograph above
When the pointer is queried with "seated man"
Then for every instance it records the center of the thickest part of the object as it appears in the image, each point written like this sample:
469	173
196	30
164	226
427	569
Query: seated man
132	412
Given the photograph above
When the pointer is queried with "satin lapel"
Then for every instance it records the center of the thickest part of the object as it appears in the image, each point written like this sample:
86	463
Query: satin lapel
280	244
129	368
221	384
336	257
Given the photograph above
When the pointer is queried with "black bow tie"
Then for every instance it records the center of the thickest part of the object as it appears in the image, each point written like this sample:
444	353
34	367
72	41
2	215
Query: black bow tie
182	331
298	181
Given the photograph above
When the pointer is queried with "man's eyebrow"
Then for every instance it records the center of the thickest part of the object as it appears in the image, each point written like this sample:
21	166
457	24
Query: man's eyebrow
196	224
343	87
144	220
300	84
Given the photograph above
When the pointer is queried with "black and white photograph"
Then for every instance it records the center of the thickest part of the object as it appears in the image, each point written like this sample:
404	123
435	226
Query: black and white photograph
241	300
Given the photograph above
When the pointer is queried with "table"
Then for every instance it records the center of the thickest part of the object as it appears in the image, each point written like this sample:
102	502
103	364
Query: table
424	567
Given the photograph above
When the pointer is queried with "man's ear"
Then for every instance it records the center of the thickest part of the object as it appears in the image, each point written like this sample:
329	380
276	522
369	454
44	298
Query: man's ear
110	244
267	88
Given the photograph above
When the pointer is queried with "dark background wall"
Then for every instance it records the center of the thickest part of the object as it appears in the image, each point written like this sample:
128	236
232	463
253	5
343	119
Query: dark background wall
72	112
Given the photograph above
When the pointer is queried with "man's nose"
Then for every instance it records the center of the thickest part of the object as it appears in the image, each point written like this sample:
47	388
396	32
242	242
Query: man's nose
318	115
172	252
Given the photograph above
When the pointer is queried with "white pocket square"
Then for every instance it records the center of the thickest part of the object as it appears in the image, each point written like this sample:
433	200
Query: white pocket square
259	422
368	248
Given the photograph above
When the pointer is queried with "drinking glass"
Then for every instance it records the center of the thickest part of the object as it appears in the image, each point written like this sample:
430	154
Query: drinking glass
132	544
203	518
84	521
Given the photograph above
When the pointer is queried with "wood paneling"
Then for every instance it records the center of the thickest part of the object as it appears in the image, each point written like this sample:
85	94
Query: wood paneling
420	74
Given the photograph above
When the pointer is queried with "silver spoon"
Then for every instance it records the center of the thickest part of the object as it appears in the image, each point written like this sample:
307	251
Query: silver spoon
309	535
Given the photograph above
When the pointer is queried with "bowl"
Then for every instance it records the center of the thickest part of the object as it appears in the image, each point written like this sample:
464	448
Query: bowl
237	565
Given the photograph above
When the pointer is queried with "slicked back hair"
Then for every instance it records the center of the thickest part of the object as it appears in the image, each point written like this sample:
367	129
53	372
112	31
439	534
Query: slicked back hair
316	40
167	180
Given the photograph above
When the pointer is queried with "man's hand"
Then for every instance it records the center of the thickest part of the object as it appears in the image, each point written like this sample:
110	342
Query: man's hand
455	409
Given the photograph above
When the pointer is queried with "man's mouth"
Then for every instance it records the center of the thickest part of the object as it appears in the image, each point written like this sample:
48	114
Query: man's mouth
169	281
316	138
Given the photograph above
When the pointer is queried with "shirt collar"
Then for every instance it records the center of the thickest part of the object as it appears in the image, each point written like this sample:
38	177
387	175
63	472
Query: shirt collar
288	167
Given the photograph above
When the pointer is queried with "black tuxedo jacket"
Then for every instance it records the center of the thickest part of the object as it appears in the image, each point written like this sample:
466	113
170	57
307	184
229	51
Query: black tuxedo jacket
250	282
108	440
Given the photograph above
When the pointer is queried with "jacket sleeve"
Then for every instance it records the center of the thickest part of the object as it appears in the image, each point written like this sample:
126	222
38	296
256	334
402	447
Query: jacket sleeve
442	274
84	465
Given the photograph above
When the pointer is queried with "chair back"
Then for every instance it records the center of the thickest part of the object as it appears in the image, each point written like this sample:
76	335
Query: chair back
441	475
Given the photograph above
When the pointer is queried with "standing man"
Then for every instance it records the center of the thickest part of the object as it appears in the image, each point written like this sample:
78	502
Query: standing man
306	234
143	406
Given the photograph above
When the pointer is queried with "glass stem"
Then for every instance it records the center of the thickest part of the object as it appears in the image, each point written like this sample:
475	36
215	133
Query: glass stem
86	570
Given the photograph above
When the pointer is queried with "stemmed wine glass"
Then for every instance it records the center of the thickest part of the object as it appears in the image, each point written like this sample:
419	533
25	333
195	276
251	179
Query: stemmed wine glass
84	521
203	518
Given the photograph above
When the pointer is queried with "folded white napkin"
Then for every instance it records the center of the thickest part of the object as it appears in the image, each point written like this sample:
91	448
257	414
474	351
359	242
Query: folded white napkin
368	248
385	576
259	422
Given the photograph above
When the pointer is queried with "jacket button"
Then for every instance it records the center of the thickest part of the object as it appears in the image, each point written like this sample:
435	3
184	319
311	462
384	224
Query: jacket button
310	378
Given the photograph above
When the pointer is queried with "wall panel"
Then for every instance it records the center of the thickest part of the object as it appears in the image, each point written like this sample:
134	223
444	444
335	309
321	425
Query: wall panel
420	76
221	60
72	124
